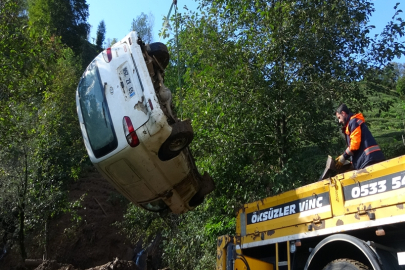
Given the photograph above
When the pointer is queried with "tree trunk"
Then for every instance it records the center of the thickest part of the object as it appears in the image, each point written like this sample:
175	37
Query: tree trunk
21	235
46	240
21	238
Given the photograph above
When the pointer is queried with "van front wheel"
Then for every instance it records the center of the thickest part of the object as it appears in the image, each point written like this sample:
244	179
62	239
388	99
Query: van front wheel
181	136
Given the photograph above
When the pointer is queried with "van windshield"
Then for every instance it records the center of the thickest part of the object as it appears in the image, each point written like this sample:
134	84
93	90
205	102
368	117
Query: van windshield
96	115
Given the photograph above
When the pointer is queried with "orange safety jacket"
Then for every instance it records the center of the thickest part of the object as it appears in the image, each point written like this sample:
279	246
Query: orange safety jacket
361	145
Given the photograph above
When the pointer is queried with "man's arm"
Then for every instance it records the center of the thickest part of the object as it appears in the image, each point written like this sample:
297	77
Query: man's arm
355	137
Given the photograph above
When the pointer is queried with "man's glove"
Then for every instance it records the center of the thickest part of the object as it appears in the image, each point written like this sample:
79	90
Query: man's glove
339	161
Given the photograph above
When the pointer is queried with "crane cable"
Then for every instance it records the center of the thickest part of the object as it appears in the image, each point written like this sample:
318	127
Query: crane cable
178	59
174	3
167	18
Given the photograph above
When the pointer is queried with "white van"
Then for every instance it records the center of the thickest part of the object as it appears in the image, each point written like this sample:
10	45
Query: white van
130	132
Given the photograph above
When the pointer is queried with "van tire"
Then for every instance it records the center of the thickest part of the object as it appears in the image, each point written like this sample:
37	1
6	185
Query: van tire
346	264
181	136
161	53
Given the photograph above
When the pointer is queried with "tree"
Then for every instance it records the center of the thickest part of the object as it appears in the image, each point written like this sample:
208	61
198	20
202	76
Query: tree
399	77
111	42
89	52
400	86
39	136
100	35
143	25
67	19
291	64
399	69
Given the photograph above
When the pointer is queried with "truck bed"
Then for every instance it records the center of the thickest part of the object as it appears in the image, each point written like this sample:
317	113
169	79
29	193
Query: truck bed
367	198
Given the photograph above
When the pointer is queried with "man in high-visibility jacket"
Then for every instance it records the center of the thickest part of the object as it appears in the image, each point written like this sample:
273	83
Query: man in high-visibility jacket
361	145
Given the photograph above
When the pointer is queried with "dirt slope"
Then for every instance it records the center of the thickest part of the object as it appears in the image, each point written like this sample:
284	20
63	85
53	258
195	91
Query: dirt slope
95	241
116	264
92	242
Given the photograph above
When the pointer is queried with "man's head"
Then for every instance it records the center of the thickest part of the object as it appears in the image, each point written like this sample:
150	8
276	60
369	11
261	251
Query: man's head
342	114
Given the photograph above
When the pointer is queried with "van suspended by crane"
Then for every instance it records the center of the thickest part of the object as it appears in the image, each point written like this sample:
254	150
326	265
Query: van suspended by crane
131	132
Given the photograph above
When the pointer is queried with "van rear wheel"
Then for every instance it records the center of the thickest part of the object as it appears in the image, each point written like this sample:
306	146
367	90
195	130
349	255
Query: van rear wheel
181	136
345	264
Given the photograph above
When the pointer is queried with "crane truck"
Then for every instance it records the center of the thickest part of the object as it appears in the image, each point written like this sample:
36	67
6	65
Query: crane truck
353	220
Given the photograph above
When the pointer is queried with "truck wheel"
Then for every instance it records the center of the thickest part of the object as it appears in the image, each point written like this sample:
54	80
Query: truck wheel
181	136
159	50
345	264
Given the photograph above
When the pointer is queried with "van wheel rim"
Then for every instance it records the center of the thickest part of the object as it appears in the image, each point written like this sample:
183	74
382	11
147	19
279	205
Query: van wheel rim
178	144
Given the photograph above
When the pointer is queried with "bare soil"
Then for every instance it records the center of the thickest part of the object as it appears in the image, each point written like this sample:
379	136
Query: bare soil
116	264
92	242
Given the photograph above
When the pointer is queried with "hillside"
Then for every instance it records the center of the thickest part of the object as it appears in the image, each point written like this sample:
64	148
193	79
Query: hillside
94	240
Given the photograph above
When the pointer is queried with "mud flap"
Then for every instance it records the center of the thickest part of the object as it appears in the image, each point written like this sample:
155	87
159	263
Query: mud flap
206	186
205	182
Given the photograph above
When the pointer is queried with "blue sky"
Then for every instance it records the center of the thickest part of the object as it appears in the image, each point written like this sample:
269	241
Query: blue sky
118	15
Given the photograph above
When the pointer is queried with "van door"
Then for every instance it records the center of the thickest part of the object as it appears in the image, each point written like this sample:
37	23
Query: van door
122	76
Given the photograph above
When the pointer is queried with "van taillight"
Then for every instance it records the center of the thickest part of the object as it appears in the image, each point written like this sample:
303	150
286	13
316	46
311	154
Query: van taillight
130	133
107	55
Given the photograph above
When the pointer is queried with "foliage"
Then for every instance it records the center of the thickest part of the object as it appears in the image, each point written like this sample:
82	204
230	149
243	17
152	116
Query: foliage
66	19
400	85
143	25
399	70
90	51
100	35
111	42
388	127
388	77
39	136
288	64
